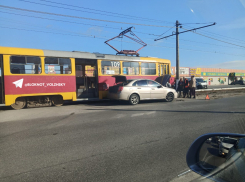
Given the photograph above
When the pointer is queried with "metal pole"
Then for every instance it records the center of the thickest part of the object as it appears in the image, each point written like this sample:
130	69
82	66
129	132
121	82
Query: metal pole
177	55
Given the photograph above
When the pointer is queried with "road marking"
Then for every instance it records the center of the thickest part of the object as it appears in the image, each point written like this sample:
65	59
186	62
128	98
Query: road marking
184	173
152	112
138	114
119	116
141	114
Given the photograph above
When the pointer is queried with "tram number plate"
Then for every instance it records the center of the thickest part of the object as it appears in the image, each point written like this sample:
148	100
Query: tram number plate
115	64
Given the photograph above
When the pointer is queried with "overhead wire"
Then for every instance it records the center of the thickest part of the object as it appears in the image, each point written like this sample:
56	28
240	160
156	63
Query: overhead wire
134	18
47	13
91	9
165	32
88	24
216	39
195	23
206	43
99	37
79	17
31	16
32	25
223	36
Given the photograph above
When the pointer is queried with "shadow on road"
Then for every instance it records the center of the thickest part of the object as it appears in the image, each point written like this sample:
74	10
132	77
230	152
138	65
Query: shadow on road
110	102
174	111
5	108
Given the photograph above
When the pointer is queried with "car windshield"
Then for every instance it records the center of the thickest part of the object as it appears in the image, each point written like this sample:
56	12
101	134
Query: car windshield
101	90
200	80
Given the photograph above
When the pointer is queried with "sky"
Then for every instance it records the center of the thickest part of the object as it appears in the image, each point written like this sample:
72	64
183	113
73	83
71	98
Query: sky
79	25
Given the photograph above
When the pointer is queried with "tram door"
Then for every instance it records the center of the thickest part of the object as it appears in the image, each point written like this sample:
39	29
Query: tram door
162	69
1	81
86	78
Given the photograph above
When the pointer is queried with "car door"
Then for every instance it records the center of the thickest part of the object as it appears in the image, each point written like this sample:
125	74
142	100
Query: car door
157	91
143	89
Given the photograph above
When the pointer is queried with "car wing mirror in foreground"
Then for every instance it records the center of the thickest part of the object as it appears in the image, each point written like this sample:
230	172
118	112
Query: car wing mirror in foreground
159	86
218	156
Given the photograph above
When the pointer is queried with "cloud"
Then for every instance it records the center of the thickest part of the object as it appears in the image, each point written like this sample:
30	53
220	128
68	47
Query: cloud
192	11
228	65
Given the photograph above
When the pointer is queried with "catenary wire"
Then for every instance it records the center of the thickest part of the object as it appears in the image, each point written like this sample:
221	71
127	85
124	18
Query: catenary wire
99	37
79	17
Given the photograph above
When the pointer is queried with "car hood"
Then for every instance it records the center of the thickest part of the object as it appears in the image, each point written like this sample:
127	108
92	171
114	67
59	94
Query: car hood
163	79
120	78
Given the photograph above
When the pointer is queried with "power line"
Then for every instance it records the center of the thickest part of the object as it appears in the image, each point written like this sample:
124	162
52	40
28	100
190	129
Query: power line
45	31
202	46
104	27
99	37
79	17
223	36
112	13
31	16
165	32
123	16
196	23
88	24
29	24
107	27
207	43
33	26
216	39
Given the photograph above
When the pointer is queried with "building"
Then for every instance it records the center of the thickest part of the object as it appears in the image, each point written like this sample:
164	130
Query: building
213	76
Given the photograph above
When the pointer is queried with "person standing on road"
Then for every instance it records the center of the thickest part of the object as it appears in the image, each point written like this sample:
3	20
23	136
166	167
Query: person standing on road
180	87
186	87
193	87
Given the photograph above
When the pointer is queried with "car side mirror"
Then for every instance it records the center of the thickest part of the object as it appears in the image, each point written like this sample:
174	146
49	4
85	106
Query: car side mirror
218	156
159	86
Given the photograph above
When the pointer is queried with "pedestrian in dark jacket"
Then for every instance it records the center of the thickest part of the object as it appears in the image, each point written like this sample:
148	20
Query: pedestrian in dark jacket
180	86
186	87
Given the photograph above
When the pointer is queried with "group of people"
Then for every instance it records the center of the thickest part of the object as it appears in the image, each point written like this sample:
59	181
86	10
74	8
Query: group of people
187	87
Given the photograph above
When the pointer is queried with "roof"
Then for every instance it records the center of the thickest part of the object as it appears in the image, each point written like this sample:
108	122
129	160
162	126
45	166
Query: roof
75	54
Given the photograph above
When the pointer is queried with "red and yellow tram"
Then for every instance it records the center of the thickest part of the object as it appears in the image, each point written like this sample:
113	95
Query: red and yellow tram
37	77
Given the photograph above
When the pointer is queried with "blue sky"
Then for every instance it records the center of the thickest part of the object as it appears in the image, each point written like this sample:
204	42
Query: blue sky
45	31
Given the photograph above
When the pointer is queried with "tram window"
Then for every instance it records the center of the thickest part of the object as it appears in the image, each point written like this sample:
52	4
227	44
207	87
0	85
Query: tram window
167	72
130	68
148	68
25	65
57	65
110	67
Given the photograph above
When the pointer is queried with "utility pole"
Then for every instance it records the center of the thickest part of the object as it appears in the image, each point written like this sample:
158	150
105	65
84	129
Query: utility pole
177	46
177	55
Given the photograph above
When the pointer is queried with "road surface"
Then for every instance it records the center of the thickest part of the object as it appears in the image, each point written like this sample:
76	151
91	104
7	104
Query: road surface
110	141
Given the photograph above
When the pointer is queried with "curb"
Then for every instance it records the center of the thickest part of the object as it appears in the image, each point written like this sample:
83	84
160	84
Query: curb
234	88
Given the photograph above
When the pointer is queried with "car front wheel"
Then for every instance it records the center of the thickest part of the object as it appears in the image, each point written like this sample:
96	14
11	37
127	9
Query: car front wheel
170	97
134	99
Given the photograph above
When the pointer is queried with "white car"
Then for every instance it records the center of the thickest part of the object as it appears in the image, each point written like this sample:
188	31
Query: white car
141	89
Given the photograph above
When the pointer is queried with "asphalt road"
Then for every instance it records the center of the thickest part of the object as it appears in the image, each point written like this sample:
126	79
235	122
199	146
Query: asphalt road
110	141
